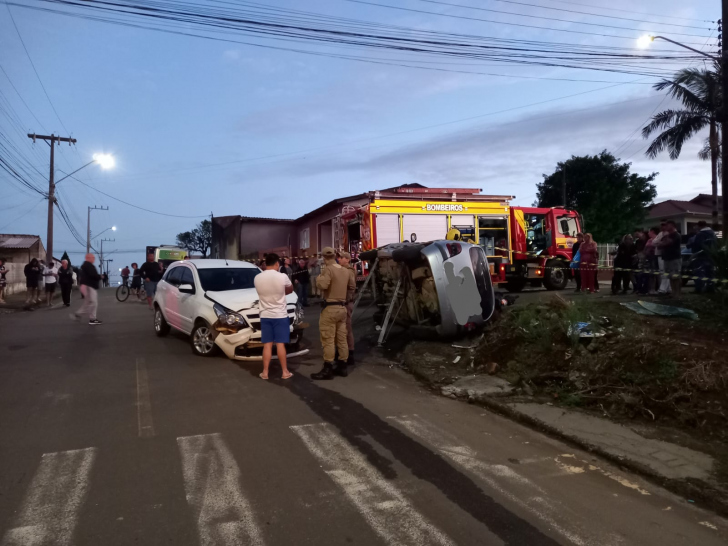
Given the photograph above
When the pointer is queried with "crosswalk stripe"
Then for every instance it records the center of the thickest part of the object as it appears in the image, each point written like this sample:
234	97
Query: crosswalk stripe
536	501
223	514
382	504
49	511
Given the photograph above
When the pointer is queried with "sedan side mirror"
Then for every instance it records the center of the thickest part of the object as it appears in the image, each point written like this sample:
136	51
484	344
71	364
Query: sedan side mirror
186	288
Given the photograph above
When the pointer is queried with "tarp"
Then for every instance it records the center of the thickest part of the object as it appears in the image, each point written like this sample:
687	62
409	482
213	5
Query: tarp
649	308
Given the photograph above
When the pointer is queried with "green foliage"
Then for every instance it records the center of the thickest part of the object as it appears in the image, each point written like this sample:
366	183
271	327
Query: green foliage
65	257
197	240
611	199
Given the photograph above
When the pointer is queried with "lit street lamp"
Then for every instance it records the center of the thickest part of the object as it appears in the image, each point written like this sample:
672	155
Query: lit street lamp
112	228
644	42
105	161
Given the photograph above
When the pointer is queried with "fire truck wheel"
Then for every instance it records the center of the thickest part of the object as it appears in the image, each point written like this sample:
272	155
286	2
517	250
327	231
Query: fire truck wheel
556	278
516	285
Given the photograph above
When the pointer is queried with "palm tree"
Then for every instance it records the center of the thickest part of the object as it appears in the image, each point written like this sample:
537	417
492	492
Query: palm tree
699	90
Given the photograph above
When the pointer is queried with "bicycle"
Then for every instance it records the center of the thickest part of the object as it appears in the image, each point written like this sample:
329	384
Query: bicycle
123	291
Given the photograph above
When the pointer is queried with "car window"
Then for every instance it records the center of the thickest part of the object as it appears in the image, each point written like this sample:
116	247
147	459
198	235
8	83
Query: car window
173	275
187	277
220	280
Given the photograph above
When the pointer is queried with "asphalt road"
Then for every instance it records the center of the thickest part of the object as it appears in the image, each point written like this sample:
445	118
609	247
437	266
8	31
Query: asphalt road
112	436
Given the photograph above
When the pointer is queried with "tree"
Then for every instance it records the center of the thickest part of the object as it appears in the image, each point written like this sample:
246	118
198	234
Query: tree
197	240
611	200
700	92
65	257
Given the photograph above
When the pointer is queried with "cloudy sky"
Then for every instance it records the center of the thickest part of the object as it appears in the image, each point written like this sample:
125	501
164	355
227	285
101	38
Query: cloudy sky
207	126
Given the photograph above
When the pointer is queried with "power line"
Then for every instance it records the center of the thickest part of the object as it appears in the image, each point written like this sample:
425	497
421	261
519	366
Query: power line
531	16
540	6
131	204
389	6
21	96
34	69
24	214
626	11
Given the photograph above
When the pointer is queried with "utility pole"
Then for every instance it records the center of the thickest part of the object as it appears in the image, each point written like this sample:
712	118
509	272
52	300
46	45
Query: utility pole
724	121
101	257
51	187
88	226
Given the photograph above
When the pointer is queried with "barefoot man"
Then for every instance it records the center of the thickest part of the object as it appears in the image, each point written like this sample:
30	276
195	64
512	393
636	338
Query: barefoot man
272	287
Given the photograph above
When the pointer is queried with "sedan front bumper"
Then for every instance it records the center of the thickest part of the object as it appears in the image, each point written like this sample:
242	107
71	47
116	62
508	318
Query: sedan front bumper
229	342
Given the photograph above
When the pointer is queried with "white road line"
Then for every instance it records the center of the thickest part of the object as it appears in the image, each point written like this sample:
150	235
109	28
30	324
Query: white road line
49	512
212	483
144	401
467	458
384	507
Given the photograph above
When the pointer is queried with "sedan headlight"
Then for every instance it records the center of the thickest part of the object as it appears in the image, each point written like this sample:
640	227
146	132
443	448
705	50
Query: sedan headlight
229	318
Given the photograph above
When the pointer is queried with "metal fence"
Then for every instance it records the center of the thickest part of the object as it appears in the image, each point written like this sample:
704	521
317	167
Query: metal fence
605	257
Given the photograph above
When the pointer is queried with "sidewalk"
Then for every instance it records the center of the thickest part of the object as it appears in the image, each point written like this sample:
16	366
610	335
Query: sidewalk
16	302
688	472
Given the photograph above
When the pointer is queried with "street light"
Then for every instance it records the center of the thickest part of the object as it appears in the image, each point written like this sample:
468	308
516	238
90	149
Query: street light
645	41
105	161
112	228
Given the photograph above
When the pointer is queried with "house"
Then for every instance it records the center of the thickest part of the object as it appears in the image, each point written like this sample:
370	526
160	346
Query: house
685	214
21	248
17	251
245	237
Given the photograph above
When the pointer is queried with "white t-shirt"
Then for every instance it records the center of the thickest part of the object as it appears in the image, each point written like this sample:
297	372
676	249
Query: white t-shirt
271	286
48	274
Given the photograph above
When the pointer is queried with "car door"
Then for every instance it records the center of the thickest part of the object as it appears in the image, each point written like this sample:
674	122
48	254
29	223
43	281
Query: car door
187	301
170	296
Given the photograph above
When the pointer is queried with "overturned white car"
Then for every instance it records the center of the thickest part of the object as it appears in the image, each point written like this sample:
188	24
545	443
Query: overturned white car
216	304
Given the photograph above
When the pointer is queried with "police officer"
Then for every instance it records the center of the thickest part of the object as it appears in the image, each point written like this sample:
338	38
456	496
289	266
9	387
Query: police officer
345	261
334	282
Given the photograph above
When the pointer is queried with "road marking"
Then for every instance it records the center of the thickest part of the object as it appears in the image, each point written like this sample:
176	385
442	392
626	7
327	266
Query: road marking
49	512
144	401
212	483
383	505
536	503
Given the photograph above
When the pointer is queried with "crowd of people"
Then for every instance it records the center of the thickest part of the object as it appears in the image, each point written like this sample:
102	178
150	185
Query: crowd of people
650	261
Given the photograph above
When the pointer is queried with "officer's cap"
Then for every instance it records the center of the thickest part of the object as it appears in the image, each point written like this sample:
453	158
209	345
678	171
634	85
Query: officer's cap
345	255
328	252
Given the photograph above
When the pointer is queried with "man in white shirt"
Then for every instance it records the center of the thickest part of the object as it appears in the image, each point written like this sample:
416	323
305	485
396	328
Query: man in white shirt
272	287
50	277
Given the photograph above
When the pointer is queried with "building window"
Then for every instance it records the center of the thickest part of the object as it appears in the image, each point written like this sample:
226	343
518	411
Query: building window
305	239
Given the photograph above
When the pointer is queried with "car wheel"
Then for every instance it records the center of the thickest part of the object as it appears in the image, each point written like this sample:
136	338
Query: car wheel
161	327
556	276
203	340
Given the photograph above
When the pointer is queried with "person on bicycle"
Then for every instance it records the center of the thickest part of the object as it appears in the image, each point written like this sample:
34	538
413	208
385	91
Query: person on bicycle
136	280
125	275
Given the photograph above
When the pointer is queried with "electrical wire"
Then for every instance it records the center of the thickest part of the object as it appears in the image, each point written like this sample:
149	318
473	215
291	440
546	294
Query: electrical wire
532	16
24	214
626	11
131	204
33	65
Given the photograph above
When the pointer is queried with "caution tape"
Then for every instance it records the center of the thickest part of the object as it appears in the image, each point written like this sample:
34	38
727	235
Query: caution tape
642	271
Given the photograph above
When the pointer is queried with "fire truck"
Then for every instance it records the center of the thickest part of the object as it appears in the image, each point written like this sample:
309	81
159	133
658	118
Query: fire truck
524	245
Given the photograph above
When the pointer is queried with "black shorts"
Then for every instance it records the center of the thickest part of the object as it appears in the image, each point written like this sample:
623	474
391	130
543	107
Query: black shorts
136	283
50	287
31	283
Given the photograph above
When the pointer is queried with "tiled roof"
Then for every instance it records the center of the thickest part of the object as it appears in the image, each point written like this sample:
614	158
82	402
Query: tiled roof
674	207
18	241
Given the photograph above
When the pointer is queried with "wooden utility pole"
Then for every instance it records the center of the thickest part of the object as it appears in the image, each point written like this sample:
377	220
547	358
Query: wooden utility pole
51	187
101	257
88	226
724	121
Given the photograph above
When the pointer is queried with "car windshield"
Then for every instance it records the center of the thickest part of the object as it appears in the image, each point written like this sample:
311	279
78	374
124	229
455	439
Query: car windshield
220	280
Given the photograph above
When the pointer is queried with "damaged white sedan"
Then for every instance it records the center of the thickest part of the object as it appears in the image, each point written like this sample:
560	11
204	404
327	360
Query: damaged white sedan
216	304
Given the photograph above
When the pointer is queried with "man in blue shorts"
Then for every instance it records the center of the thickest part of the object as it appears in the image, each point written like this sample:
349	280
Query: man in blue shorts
272	287
151	272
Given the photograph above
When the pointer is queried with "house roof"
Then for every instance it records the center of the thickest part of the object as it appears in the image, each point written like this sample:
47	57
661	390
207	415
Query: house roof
18	241
674	207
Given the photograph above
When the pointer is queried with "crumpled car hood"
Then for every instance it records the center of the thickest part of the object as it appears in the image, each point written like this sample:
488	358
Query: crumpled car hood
237	300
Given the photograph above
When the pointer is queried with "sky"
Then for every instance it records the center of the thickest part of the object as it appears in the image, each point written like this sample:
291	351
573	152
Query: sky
200	127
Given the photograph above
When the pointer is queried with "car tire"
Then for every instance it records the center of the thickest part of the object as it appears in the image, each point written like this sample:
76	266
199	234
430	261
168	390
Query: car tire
202	339
557	275
161	326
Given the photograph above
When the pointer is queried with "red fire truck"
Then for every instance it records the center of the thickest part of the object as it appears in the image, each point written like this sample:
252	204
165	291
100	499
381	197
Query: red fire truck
524	245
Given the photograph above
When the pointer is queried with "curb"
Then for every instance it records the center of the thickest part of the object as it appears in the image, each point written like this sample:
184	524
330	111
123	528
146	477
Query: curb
694	489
